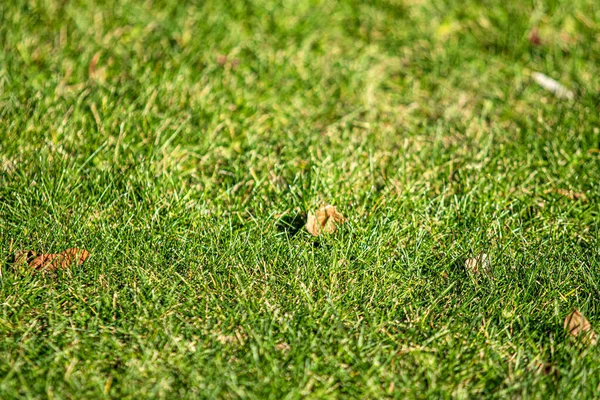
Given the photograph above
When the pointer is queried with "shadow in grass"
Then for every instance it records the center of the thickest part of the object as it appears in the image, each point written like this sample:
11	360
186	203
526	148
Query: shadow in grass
291	224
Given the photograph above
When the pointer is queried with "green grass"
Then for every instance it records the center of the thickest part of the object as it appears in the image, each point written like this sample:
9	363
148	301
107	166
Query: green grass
181	172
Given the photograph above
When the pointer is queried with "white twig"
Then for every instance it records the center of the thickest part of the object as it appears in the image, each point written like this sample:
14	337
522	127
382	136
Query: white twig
553	86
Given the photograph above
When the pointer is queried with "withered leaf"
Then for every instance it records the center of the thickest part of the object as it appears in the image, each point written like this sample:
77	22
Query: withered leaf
545	368
534	37
238	338
579	327
312	224
282	347
51	262
479	264
572	195
226	339
278	181
324	221
224	61
92	66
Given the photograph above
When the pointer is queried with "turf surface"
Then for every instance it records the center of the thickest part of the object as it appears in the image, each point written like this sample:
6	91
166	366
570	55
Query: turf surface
182	144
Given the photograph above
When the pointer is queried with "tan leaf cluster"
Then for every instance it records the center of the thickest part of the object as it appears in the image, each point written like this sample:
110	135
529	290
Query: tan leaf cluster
479	264
325	220
239	338
282	347
572	195
225	61
51	262
579	327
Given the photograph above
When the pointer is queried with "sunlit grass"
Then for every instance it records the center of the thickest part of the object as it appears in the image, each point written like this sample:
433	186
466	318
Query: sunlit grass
182	144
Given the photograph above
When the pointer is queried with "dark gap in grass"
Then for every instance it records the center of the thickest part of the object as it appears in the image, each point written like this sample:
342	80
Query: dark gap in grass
291	224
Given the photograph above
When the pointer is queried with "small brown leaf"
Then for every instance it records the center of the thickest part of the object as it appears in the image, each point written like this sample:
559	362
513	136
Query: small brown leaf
479	264
282	347
534	37
278	182
324	221
222	60
579	327
570	194
75	255
312	225
238	338
225	61
226	339
92	65
545	368
44	261
52	262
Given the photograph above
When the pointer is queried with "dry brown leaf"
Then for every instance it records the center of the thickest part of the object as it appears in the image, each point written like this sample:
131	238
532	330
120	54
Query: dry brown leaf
226	339
278	181
224	61
282	346
312	224
579	327
92	66
478	264
325	220
545	368
238	338
570	194
534	37
52	262
44	261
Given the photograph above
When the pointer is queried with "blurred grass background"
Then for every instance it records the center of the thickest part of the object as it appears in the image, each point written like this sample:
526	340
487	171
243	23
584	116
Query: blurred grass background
175	140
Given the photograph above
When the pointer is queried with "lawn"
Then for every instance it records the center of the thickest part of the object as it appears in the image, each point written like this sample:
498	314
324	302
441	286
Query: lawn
185	144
